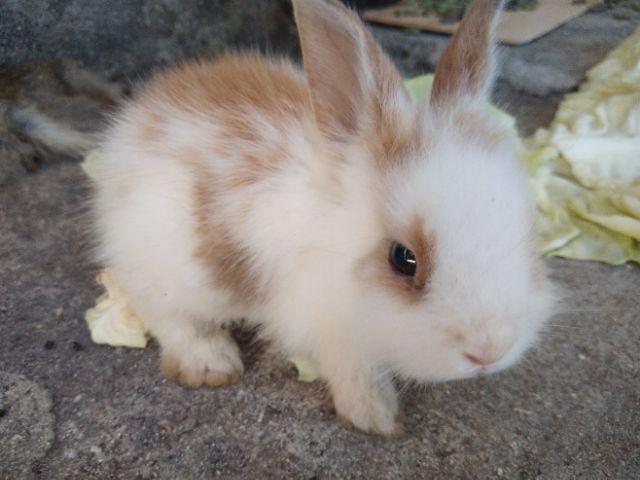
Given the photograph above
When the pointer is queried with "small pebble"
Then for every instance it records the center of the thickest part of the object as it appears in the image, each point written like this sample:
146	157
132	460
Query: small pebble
166	428
69	454
97	451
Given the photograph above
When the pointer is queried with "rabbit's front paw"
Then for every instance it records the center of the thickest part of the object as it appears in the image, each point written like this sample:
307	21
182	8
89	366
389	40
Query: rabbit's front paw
372	409
213	361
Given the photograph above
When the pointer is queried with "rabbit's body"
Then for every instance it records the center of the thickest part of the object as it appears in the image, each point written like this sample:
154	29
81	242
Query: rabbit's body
244	189
202	206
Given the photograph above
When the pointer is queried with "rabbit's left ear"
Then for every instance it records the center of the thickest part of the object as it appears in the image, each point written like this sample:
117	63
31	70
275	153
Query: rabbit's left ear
353	84
466	69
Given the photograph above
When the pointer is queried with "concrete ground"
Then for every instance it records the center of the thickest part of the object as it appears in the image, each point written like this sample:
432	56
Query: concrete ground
72	409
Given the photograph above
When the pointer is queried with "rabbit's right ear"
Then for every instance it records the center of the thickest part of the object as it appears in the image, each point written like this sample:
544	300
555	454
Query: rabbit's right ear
353	84
466	69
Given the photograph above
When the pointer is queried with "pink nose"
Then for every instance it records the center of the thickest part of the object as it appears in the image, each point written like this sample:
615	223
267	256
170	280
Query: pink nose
483	360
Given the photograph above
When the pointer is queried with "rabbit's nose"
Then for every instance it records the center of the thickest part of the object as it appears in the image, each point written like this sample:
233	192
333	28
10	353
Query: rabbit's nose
487	351
484	357
482	360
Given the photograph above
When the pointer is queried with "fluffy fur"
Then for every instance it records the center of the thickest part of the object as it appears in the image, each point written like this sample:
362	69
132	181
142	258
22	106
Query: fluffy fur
50	108
245	189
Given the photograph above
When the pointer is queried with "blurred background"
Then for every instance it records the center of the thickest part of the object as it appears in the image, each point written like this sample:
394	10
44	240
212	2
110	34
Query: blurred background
125	41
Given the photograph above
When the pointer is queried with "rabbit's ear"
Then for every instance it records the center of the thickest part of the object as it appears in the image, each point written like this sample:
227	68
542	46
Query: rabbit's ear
466	69
352	82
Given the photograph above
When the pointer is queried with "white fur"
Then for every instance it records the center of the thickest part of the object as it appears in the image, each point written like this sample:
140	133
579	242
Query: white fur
475	201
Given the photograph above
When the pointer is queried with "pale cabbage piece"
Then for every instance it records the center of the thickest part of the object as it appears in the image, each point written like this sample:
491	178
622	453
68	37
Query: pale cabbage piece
597	129
420	89
627	203
603	145
586	166
90	164
598	208
307	370
112	321
599	244
559	230
554	227
552	235
601	161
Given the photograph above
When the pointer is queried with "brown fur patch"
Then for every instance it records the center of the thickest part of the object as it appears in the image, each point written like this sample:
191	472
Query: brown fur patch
153	127
229	262
355	88
236	94
240	95
395	130
392	128
423	247
391	147
232	85
172	370
329	36
476	125
411	289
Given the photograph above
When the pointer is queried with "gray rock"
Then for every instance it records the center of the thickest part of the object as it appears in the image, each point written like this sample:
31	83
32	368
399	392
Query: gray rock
26	425
555	63
129	39
559	60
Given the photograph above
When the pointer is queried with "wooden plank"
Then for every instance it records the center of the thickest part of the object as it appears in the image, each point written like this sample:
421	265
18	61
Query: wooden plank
516	28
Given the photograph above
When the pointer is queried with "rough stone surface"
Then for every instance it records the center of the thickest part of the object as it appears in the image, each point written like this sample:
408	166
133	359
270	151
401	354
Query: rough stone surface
554	63
128	39
570	410
26	424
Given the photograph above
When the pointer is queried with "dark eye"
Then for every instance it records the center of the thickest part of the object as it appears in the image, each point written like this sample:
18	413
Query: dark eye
402	260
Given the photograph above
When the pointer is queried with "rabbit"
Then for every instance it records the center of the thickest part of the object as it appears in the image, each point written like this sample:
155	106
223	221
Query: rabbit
380	239
46	108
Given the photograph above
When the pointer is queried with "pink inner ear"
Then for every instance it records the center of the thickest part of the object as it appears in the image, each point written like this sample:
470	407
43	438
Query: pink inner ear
466	66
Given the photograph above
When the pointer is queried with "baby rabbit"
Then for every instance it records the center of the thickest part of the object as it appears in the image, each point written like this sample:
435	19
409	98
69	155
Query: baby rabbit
375	237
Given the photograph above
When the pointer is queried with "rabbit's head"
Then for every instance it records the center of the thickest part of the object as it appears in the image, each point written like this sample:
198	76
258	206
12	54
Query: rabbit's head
452	288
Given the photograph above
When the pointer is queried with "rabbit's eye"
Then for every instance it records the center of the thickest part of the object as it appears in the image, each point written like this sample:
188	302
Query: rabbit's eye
402	260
